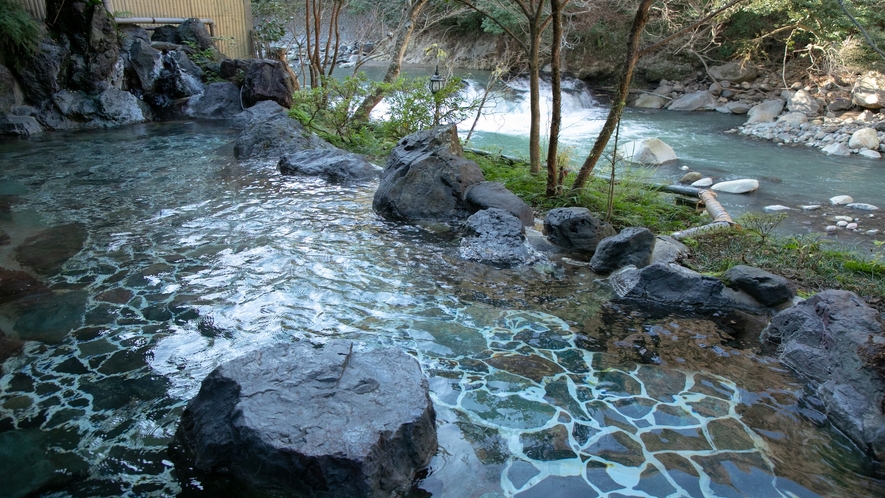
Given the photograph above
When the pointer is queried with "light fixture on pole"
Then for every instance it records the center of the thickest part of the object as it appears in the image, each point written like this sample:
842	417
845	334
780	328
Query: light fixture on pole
436	84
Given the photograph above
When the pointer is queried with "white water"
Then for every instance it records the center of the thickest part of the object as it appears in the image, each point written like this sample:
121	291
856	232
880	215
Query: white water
788	175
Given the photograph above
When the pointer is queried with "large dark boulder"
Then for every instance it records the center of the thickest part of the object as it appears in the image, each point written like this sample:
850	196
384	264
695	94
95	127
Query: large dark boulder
575	228
229	69
194	32
496	237
332	164
485	195
426	178
268	80
10	91
273	137
322	422
111	107
94	43
166	34
46	72
672	286
633	246
767	288
220	101
262	111
835	339
143	65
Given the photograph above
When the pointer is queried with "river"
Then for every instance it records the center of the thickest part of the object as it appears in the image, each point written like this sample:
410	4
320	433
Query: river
181	258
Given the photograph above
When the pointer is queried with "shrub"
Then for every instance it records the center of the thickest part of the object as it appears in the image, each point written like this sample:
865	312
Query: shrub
19	32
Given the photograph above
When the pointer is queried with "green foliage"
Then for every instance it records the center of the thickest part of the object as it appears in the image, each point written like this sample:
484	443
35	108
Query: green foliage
413	107
330	108
811	28
634	204
270	20
811	262
19	32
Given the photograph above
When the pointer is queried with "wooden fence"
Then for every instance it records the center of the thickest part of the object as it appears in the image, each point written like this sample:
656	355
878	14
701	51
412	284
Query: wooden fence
233	18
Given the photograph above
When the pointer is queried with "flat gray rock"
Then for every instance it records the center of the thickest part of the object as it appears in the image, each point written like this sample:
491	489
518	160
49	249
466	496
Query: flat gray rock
322	422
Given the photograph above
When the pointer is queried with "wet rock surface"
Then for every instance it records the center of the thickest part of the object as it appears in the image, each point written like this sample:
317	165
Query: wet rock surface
485	195
575	228
426	178
330	421
269	133
671	285
331	164
633	246
268	80
220	101
496	237
836	340
767	288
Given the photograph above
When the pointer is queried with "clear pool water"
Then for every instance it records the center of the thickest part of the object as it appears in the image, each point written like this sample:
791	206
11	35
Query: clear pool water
164	257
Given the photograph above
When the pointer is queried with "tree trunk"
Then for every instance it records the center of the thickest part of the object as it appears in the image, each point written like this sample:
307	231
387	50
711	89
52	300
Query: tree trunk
535	97
396	64
617	106
556	90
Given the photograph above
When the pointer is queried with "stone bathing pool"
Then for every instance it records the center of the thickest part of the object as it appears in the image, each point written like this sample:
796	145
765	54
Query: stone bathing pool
165	257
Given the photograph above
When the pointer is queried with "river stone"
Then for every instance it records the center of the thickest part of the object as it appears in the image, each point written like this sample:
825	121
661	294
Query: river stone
273	137
649	151
649	101
669	250
426	178
220	100
485	195
575	228
765	112
862	206
268	80
838	200
869	91
735	72
767	288
737	186
322	422
691	177
697	101
793	118
496	237
633	246
738	107
776	208
703	182
332	164
836	149
870	154
802	101
835	339
864	138
674	286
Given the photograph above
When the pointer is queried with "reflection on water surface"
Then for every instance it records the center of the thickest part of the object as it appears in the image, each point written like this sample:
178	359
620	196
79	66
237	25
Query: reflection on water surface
163	258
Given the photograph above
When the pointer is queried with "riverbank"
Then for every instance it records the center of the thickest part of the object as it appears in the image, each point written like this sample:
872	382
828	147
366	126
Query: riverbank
838	115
